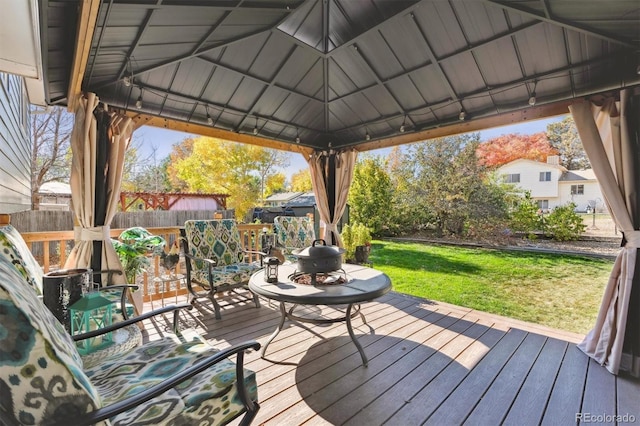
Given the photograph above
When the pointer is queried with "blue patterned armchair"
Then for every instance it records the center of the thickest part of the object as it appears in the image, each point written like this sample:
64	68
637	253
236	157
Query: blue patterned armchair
179	379
215	260
293	233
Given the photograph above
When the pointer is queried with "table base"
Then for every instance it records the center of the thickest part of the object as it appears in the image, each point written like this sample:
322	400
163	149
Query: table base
284	315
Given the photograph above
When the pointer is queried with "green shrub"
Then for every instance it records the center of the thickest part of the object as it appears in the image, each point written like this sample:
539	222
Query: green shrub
525	217
353	236
564	224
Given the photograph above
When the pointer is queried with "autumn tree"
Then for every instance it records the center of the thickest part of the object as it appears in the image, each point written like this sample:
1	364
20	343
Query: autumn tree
564	137
301	181
370	194
506	148
275	183
267	162
179	152
51	149
218	166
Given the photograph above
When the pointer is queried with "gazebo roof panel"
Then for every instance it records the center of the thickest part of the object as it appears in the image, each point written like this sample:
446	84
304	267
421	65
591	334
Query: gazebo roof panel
462	73
406	43
376	54
405	92
428	81
479	21
356	70
301	62
438	23
272	58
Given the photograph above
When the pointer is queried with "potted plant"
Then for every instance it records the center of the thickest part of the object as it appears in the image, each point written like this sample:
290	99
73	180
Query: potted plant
357	242
133	247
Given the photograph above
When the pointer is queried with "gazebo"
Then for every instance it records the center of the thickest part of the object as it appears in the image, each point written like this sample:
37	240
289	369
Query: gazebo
330	78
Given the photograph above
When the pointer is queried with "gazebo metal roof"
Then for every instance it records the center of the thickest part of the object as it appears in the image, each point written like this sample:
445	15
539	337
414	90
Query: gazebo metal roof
318	74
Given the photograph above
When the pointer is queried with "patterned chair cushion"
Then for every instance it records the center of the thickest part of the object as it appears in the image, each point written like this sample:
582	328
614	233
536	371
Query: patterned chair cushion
293	232
13	248
226	275
208	398
41	372
218	240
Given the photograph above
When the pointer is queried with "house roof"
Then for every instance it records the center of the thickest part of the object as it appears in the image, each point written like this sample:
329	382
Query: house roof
317	74
577	175
283	196
306	199
58	188
533	162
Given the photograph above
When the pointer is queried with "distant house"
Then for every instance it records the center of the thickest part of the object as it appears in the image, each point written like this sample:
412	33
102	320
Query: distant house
54	196
552	185
281	199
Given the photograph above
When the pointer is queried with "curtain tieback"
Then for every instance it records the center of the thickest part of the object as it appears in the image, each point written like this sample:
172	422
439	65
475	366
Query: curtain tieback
633	239
96	233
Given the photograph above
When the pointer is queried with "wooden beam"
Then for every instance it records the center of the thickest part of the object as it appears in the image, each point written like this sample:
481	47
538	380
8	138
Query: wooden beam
86	25
204	130
513	117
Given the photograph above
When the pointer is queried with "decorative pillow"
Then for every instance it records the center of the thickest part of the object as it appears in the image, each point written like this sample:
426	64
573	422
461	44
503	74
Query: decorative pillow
13	247
41	373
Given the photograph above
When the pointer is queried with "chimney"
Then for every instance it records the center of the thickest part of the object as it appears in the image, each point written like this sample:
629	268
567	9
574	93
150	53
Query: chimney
554	160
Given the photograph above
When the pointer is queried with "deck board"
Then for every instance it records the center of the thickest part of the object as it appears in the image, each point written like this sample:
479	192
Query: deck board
429	363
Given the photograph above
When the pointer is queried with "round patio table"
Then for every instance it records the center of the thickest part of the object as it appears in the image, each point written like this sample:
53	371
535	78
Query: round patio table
363	284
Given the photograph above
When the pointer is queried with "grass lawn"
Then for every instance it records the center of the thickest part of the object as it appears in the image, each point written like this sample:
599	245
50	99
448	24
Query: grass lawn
559	291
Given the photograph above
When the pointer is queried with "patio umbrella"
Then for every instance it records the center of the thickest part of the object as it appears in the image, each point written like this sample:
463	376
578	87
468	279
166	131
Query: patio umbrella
98	147
610	134
331	176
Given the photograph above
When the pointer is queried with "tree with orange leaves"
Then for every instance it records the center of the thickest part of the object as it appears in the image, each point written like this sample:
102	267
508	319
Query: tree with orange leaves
506	148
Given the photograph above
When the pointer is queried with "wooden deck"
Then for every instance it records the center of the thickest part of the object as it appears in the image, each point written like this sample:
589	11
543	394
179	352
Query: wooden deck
429	363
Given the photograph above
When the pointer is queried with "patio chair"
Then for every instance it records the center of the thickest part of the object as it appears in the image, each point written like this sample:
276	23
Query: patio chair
293	233
178	379
14	248
215	260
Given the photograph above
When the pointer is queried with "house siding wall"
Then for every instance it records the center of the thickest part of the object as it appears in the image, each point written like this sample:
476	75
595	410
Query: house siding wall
15	145
591	192
530	178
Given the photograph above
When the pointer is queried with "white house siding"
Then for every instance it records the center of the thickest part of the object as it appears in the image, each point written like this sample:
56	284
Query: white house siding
591	192
530	178
15	145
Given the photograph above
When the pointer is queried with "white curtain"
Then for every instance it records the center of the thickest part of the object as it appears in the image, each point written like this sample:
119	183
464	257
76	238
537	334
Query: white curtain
606	135
325	165
83	183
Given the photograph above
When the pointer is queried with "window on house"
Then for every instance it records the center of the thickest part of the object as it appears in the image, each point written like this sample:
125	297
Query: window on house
545	176
577	189
512	178
543	204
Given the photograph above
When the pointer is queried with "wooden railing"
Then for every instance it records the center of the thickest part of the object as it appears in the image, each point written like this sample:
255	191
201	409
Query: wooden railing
59	243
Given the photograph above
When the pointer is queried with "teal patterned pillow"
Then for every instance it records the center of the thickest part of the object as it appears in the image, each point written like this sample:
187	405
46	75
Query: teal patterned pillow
14	249
41	373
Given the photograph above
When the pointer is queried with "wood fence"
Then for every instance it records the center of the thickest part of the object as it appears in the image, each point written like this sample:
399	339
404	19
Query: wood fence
62	221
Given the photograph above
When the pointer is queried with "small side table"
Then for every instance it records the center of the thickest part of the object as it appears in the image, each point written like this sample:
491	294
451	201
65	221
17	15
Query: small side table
164	284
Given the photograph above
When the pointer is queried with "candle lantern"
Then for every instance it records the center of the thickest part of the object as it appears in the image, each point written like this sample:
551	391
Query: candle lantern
271	270
91	312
